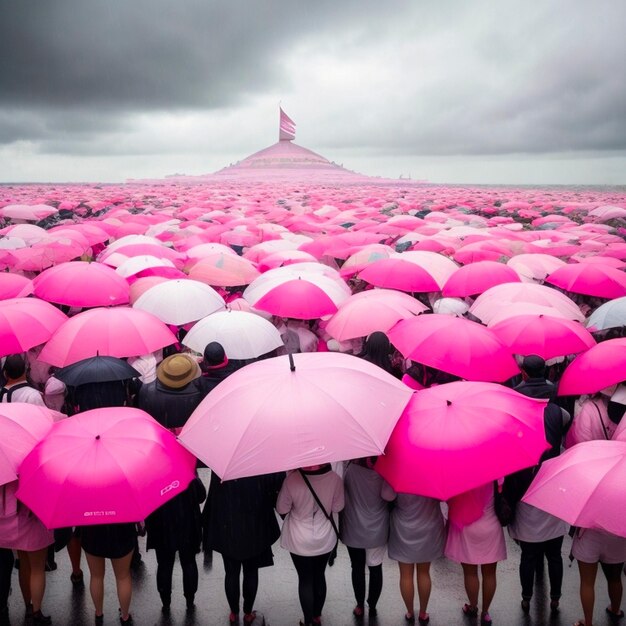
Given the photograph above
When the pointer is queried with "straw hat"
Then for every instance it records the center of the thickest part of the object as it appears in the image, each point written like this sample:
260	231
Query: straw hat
177	370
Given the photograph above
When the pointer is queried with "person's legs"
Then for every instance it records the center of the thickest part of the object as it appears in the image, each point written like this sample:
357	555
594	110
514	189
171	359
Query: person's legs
165	568
124	583
471	582
74	551
424	586
189	567
232	570
249	587
528	566
488	571
357	565
552	550
375	586
37	564
6	570
407	587
304	569
96	580
587	573
24	577
613	573
319	583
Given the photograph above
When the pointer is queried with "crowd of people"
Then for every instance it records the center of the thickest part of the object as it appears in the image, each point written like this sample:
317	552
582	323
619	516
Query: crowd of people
319	505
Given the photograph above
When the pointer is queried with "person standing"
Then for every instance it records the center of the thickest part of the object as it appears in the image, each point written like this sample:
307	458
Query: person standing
307	499
17	388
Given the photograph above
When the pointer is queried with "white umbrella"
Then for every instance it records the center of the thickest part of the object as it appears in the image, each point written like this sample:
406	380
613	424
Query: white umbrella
450	306
180	301
609	315
136	264
242	335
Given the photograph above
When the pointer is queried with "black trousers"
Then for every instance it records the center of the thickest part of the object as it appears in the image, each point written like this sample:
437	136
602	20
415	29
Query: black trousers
311	584
165	569
357	562
6	570
249	587
532	554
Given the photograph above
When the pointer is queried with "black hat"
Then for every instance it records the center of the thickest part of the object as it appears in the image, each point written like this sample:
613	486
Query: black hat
214	355
534	365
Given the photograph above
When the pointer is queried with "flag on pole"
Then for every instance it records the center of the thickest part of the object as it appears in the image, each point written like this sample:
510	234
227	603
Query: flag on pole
287	127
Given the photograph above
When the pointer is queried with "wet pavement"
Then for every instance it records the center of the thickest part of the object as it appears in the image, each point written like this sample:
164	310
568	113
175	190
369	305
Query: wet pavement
277	598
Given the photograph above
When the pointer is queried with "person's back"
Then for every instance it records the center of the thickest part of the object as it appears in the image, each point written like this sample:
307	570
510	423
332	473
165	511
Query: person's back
535	384
17	387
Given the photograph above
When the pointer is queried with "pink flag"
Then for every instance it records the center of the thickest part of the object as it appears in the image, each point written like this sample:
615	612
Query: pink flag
287	127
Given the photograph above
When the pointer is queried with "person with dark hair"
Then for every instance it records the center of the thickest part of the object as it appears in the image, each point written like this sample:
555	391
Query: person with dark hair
239	522
16	388
215	365
535	384
377	349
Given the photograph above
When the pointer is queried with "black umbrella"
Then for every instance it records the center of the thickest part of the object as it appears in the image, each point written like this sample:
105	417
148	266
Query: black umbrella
96	369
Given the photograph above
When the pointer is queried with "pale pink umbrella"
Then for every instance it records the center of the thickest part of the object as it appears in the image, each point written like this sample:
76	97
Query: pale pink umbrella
31	213
364	257
137	264
487	305
26	323
284	257
454	345
46	254
534	267
141	285
607	261
81	284
599	367
590	279
325	407
14	286
524	308
398	273
440	267
140	249
116	331
111	465
23	425
377	309
544	335
224	270
28	232
207	249
457	436
476	278
585	486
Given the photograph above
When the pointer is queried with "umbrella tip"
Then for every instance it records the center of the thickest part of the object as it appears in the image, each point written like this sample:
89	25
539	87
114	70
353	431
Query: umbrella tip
448	402
292	365
97	436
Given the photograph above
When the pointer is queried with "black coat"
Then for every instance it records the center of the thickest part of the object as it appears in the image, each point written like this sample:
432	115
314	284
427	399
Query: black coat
177	525
171	407
239	519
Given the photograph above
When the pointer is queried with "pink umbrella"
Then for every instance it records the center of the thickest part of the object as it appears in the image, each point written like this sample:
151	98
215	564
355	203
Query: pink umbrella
544	335
27	212
26	323
224	270
118	331
297	298
599	367
81	284
46	254
325	407
585	486
111	465
368	311
14	286
454	345
590	279
534	267
141	285
454	437
476	278
23	425
397	273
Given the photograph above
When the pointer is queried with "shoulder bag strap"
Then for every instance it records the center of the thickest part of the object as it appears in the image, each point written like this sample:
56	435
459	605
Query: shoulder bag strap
604	430
9	392
330	518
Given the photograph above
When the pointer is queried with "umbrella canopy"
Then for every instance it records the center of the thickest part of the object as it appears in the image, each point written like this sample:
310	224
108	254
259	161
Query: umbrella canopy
476	278
399	273
543	335
96	369
298	299
457	436
243	335
14	286
599	367
474	353
180	301
224	270
591	279
111	465
22	425
27	322
368	311
119	331
608	315
81	284
585	486
268	417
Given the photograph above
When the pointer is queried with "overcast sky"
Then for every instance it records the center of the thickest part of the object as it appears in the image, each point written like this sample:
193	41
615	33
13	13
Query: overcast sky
478	91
